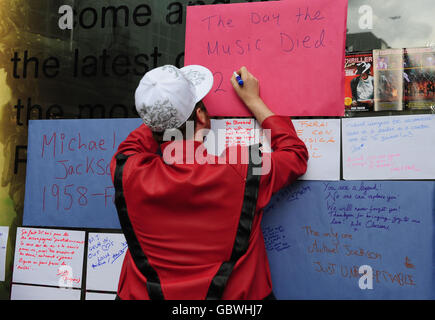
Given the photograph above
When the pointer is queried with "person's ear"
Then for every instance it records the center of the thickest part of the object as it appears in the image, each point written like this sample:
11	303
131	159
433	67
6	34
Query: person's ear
201	116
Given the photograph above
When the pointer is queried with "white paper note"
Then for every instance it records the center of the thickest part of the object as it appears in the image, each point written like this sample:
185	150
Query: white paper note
230	132
100	296
105	256
389	148
322	138
23	292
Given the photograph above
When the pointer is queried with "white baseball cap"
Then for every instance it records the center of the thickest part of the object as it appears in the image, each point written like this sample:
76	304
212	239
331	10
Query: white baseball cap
166	96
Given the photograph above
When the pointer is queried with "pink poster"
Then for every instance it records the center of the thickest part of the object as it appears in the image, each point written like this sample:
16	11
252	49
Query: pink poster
295	48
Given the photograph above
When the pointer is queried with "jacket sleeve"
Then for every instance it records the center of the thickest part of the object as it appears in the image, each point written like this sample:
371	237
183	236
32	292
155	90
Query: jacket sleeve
286	163
139	141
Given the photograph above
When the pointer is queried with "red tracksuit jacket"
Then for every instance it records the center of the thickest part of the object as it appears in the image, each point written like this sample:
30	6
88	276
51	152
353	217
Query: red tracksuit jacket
185	216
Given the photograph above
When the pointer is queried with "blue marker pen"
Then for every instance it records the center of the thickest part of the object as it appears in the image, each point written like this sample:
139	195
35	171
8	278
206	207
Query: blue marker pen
239	79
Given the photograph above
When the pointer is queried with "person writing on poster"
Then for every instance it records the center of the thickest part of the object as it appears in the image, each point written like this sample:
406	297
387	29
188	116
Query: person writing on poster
363	87
193	227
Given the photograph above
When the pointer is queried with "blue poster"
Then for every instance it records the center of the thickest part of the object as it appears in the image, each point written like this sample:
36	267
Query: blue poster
352	240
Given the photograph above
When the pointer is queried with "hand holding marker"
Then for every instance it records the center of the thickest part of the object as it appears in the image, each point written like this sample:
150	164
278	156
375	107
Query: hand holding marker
238	78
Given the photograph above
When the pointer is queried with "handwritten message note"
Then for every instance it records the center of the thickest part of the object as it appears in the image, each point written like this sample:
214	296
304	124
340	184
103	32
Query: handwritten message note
68	181
322	138
49	256
230	132
4	231
23	292
274	238
395	147
287	45
106	253
318	234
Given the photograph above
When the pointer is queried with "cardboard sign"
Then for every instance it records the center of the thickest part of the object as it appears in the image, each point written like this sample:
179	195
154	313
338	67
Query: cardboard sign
229	132
23	292
395	147
100	296
68	182
319	234
295	49
106	252
322	138
4	231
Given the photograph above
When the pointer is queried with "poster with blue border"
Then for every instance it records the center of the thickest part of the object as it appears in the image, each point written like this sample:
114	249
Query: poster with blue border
319	234
68	182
